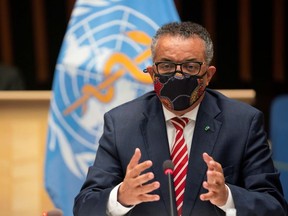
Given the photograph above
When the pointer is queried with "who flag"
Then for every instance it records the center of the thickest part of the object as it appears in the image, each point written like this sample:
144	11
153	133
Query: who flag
105	49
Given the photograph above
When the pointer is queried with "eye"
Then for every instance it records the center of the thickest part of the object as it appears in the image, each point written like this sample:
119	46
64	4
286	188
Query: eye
166	67
190	66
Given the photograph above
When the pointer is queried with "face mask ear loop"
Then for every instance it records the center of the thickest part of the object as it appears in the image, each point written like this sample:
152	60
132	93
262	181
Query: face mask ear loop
200	77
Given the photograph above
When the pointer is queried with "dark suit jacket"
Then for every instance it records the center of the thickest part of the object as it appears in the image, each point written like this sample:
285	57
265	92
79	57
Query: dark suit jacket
236	139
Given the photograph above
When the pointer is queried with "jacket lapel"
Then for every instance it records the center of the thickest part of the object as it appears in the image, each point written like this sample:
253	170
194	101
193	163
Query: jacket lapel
156	144
206	130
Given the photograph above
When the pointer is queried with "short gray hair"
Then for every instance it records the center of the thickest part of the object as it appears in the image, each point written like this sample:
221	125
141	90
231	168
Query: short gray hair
185	30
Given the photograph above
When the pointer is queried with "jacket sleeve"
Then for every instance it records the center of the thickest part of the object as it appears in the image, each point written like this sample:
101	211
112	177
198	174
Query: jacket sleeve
102	177
261	192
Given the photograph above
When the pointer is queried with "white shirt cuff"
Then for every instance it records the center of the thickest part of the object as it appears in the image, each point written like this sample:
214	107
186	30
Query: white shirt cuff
114	208
230	202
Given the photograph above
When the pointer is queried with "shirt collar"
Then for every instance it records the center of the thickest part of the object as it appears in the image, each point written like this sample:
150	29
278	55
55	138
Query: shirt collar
191	115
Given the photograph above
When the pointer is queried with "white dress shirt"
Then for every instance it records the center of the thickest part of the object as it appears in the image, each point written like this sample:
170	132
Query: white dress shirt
114	208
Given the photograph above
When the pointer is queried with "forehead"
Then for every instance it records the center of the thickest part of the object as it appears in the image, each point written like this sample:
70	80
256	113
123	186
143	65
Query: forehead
178	48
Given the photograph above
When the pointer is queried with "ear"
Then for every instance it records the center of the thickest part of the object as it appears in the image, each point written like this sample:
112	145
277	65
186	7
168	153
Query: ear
150	70
210	73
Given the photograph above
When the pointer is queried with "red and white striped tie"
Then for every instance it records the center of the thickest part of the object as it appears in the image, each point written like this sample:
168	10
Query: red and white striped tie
179	157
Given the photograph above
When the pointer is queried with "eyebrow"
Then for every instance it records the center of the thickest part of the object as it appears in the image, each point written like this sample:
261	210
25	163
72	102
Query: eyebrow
187	60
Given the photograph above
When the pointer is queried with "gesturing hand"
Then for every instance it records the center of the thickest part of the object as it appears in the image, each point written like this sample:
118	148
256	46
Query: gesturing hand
217	192
133	189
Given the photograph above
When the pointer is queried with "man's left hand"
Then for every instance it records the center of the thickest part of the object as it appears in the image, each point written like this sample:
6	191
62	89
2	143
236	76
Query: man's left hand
217	192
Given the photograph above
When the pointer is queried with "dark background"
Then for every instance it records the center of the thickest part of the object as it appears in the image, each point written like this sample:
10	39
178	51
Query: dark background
32	33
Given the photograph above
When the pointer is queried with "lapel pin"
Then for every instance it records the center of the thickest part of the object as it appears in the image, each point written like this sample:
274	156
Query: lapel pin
207	128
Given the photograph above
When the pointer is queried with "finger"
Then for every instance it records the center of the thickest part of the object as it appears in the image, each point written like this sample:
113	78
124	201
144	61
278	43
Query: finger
215	195
207	196
217	192
207	159
209	186
211	176
214	183
214	165
211	163
144	178
139	168
148	197
215	177
148	188
134	159
213	191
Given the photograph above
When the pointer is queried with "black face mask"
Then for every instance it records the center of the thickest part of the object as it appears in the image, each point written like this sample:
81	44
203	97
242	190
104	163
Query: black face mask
179	92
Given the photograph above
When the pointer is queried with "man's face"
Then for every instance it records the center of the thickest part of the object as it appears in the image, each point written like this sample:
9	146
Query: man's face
179	50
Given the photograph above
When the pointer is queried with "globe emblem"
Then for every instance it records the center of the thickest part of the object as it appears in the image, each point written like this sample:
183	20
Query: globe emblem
99	67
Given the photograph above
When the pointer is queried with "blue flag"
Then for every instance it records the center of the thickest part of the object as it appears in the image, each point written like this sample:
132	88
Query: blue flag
105	49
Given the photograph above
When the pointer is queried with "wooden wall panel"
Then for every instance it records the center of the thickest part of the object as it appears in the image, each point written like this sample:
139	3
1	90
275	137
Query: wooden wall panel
41	51
244	41
5	37
23	127
69	8
209	17
279	41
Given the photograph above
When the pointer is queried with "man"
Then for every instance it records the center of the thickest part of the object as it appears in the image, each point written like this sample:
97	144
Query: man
224	141
10	78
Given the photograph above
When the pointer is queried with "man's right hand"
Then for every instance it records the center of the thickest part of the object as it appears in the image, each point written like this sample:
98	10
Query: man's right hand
134	188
